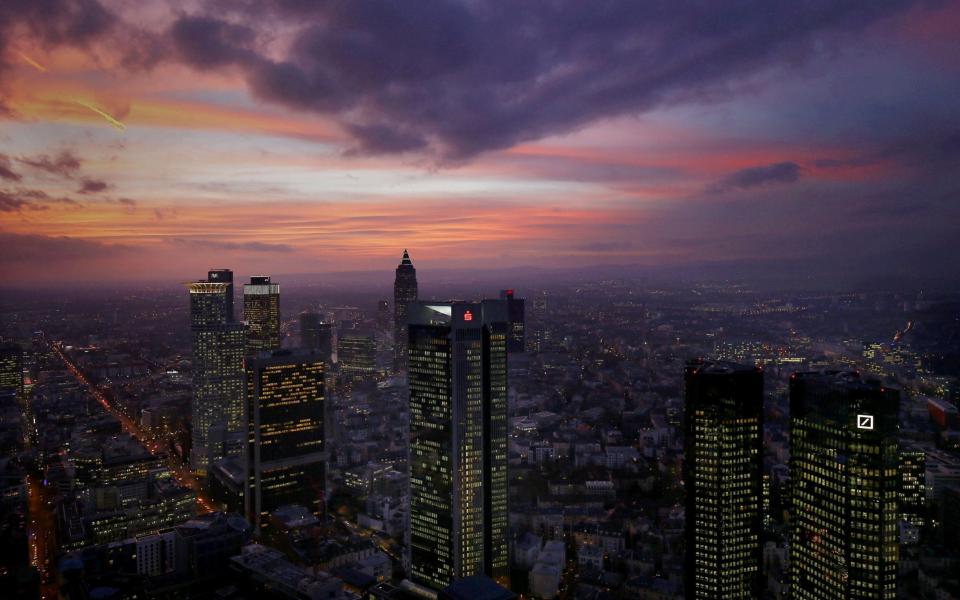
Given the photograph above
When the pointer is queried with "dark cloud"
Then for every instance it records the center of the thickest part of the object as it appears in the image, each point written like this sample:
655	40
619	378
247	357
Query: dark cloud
127	202
5	171
12	203
207	43
65	164
29	199
782	172
453	79
92	186
52	23
456	79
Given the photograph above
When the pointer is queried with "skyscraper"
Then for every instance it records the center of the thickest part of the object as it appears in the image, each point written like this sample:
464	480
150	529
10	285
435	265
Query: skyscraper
458	441
357	353
404	292
285	404
844	475
723	474
11	369
218	347
224	276
516	333
913	492
261	313
317	335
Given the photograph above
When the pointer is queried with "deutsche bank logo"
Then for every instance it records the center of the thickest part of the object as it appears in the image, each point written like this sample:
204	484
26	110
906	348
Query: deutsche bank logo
864	421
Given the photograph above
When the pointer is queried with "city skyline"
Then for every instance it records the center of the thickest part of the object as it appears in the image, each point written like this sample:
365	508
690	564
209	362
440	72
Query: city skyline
126	143
607	300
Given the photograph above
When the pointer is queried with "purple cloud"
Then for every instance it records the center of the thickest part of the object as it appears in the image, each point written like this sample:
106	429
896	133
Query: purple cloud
744	179
65	164
457	79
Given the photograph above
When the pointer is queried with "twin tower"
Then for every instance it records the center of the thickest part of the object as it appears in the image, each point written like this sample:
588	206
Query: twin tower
844	459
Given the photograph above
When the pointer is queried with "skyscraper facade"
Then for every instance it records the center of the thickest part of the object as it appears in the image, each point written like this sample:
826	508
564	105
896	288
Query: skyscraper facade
224	276
285	408
357	353
844	460
11	369
404	292
261	313
516	331
913	489
458	441
218	346
315	334
723	475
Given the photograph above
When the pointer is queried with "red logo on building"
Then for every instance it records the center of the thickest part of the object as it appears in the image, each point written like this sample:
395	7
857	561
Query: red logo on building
467	315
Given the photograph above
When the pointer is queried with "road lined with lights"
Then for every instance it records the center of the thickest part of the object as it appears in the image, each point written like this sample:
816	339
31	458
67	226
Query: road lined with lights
40	537
180	472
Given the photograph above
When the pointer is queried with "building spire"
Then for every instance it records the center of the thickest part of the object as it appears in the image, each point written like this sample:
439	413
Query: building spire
406	258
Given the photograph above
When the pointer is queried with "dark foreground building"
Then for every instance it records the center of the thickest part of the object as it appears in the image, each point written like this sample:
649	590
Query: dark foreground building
458	442
723	474
844	460
285	407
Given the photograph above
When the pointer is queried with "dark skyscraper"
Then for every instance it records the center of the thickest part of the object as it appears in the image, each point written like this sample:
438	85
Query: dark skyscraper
285	404
404	292
261	313
218	346
844	460
723	474
458	441
516	333
315	334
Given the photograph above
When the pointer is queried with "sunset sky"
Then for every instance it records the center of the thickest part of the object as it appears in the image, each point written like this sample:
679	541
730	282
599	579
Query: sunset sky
148	139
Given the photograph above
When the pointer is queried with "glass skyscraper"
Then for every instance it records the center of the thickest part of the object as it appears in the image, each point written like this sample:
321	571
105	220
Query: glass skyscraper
285	407
844	472
404	292
723	475
516	334
458	441
356	353
261	313
218	347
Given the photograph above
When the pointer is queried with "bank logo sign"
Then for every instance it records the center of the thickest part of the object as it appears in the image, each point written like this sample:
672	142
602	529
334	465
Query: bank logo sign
864	421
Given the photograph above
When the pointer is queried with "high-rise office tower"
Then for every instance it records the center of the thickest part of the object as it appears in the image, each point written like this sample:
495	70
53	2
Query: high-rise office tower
357	353
844	478
913	490
458	441
285	404
261	313
218	347
516	333
404	292
224	276
315	334
723	475
11	369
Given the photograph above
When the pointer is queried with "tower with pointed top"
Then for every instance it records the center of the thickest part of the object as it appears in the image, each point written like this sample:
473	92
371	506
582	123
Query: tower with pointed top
404	292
